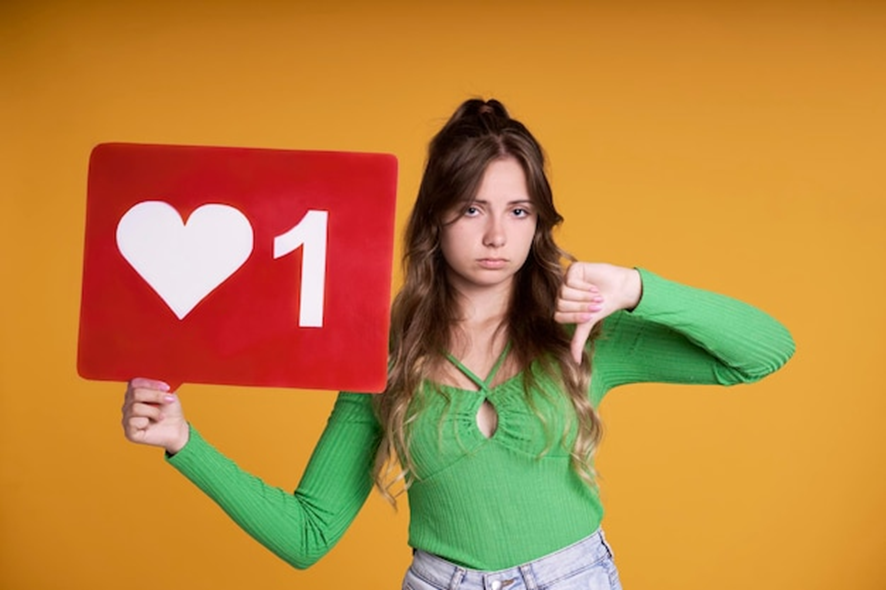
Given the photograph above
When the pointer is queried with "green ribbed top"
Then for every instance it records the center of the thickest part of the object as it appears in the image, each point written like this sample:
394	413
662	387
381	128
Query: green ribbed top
494	503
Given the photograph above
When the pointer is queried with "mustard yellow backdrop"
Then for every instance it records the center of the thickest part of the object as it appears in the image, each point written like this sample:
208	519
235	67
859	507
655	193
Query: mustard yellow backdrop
739	147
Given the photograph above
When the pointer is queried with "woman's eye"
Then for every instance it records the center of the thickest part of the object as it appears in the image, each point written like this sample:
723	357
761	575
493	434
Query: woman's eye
521	212
471	211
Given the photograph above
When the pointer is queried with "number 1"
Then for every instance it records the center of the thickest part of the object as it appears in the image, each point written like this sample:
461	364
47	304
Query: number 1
311	233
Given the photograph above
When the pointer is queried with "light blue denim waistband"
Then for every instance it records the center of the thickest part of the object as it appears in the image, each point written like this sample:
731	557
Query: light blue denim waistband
540	573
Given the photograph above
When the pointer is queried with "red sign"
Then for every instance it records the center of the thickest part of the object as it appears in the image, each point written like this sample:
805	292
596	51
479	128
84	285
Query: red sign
238	266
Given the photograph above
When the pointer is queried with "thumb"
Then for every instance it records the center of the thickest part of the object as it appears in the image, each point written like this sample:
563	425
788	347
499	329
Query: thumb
580	338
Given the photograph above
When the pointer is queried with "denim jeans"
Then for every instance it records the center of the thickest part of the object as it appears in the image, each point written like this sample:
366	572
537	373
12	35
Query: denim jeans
586	565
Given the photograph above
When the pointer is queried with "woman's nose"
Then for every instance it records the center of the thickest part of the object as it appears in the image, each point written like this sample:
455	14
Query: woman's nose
494	236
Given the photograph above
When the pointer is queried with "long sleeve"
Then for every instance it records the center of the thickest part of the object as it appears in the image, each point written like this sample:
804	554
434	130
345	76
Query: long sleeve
680	334
303	526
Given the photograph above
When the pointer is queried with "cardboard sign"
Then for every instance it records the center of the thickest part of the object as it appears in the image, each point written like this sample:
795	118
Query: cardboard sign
238	266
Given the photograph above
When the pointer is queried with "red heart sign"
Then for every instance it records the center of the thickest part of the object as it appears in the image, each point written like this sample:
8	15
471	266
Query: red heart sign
237	266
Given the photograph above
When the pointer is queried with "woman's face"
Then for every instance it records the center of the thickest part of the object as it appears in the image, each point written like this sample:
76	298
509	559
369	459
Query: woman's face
487	242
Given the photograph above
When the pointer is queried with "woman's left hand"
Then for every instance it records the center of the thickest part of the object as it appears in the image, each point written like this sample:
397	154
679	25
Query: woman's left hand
592	291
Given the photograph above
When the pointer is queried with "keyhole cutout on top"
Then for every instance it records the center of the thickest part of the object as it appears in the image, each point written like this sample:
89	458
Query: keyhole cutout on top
487	415
487	419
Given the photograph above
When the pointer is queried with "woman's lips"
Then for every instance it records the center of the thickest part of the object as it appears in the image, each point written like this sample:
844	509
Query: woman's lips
492	263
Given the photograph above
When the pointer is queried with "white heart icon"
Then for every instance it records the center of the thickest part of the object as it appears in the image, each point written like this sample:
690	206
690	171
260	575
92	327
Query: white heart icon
184	262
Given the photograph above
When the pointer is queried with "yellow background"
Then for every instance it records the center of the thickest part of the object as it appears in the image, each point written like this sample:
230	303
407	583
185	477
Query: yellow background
738	147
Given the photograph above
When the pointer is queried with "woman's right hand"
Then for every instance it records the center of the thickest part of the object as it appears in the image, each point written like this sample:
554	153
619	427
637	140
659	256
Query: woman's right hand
152	415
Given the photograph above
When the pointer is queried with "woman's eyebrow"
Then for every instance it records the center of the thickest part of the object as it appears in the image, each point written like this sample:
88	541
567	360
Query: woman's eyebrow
485	202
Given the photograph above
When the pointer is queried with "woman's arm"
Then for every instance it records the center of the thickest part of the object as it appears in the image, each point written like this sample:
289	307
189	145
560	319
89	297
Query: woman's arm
303	526
680	334
298	527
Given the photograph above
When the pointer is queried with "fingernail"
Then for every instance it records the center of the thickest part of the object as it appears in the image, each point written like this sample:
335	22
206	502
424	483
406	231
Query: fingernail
169	398
163	386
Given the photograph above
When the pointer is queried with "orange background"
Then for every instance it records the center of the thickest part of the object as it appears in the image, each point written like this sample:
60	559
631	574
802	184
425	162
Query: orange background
737	147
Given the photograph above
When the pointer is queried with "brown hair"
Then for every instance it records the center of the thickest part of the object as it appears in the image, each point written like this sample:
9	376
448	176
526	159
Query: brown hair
424	310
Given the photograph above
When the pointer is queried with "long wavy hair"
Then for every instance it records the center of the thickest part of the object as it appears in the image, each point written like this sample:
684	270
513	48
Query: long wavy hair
424	311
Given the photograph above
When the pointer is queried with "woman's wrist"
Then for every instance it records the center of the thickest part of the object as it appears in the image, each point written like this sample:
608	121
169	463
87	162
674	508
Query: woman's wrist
632	289
180	441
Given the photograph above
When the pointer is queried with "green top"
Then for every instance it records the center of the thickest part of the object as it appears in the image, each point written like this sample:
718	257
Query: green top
493	503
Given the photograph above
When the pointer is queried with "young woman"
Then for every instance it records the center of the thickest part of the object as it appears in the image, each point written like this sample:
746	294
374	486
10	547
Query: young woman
498	361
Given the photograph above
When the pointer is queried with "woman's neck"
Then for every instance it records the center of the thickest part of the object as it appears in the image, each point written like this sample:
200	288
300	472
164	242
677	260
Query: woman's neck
480	335
478	308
